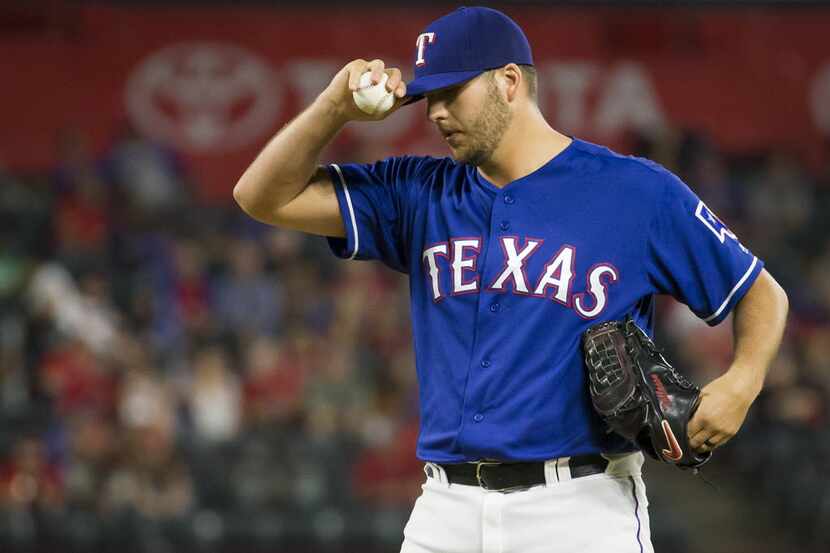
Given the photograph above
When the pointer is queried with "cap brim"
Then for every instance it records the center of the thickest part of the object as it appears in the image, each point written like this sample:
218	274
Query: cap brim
417	88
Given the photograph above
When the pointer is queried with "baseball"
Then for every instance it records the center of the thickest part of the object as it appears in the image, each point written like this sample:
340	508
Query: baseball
371	98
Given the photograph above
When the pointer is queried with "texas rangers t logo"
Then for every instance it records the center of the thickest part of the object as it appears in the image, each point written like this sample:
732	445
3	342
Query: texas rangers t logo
421	43
715	225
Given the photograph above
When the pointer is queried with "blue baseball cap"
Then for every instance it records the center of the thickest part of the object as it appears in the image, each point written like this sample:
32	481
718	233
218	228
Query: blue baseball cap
462	45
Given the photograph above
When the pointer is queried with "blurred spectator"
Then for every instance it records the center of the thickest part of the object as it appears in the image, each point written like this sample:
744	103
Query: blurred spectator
387	473
146	400
248	299
14	390
303	281
274	380
92	453
150	174
213	397
28	481
76	161
151	478
180	301
76	312
337	387
76	379
190	286
82	222
780	195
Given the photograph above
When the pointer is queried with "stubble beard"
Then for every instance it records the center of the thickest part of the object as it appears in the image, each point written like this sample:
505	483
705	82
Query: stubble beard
487	130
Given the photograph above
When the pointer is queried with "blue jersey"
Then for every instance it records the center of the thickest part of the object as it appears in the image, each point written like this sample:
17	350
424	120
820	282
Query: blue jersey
503	282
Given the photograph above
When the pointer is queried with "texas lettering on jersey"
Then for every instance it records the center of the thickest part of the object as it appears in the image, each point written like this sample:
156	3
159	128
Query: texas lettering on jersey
460	257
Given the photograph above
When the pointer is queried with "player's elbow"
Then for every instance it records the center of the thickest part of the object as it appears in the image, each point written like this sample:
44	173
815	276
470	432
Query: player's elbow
246	197
242	195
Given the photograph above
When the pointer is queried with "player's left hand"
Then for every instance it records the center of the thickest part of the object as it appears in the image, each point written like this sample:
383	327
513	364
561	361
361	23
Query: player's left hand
724	403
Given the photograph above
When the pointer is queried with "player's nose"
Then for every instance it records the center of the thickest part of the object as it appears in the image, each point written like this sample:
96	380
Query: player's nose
436	109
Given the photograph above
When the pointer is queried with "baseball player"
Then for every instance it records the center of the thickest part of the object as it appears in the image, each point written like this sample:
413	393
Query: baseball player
514	245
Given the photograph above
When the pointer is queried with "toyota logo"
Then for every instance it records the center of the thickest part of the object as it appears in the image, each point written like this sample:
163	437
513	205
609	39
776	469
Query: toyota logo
203	97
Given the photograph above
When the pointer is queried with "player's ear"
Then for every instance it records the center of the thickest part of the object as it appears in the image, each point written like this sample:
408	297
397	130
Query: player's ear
512	75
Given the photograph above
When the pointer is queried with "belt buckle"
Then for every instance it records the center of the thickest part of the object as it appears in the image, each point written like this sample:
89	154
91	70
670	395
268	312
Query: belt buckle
480	464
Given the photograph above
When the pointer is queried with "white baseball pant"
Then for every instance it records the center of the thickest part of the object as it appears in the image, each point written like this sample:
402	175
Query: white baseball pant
600	513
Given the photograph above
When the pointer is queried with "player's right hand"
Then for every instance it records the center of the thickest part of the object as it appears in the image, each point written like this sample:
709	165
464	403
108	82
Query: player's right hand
339	91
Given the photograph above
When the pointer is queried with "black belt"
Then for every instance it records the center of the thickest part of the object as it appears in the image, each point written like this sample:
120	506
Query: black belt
499	476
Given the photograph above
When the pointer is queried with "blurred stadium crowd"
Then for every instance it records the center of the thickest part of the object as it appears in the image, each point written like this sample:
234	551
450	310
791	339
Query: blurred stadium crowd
175	376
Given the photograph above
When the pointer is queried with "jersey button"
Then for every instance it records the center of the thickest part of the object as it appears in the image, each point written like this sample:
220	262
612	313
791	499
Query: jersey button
505	225
508	199
495	307
478	417
485	363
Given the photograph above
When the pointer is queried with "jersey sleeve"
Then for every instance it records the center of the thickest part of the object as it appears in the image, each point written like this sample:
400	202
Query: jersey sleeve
373	201
693	256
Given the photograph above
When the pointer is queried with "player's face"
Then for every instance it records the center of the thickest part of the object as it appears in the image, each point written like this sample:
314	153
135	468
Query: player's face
472	117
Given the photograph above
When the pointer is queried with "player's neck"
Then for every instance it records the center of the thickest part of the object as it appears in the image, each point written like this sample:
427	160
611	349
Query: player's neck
528	144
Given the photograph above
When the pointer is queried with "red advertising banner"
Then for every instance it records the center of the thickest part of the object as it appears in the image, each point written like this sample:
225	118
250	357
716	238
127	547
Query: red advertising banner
216	83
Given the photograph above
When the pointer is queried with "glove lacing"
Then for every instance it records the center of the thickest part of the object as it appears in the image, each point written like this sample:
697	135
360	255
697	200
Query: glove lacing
632	331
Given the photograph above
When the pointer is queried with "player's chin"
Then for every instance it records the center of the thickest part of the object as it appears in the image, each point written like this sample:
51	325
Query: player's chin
460	154
456	148
456	154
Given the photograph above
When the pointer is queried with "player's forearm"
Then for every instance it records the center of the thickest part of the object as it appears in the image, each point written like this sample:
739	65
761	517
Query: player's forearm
283	168
758	325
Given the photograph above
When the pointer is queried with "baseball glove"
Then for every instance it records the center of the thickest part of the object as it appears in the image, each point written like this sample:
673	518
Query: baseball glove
638	394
